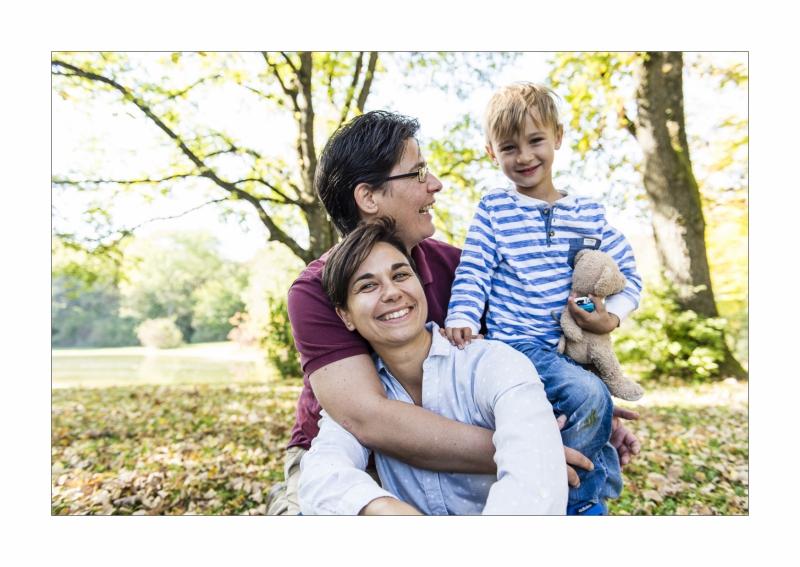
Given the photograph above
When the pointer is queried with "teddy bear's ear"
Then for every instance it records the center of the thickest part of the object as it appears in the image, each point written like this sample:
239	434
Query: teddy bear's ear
611	281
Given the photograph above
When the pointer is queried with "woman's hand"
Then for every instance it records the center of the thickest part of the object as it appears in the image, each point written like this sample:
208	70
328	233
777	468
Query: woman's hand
573	457
599	321
387	506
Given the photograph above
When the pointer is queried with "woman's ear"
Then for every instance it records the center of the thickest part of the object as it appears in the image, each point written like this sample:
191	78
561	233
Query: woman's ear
365	199
345	319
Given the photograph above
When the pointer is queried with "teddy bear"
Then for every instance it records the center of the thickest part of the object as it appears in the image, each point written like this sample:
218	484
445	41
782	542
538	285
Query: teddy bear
597	273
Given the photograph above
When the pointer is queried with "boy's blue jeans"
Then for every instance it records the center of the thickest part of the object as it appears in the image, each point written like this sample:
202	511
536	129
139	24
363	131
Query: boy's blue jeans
584	399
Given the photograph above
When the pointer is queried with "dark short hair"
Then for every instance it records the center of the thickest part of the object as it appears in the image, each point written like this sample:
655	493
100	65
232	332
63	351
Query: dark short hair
362	151
348	255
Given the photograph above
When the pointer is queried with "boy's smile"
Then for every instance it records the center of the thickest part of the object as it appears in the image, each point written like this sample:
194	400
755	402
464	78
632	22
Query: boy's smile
526	158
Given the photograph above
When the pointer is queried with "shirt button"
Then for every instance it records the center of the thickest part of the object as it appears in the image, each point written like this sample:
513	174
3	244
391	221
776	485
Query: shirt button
552	233
546	211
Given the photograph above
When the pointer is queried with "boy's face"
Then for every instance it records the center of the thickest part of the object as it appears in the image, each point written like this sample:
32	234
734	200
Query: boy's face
526	158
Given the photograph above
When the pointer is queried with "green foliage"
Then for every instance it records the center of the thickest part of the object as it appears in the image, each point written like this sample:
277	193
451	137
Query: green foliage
664	341
159	333
215	302
456	162
266	322
597	89
280	341
180	275
85	300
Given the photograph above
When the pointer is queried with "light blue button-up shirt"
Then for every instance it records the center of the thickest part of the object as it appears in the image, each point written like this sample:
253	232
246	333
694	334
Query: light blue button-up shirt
488	384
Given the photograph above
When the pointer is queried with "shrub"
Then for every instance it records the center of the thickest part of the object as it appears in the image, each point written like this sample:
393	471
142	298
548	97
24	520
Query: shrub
266	322
662	339
159	333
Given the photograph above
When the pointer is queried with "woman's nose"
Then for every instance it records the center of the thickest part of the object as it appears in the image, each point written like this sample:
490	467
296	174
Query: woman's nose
391	292
434	185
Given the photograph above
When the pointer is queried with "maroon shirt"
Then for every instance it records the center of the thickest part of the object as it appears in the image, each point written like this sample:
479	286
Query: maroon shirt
321	337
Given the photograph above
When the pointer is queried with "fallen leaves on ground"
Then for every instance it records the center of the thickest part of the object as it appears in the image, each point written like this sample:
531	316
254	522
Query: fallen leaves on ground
209	449
694	457
169	450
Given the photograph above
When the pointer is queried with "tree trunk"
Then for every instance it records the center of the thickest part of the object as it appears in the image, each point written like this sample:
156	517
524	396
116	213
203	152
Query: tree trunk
677	214
322	234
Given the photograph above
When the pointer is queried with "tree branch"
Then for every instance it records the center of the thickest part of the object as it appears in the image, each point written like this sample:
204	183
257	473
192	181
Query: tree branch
292	93
276	233
184	213
286	199
122	181
289	61
626	122
362	97
190	87
352	89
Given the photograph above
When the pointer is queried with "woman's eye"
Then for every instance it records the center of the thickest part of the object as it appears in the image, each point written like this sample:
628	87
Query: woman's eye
367	287
401	276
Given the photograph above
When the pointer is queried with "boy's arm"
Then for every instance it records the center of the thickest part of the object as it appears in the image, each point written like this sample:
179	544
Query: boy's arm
617	246
609	315
479	260
333	480
531	469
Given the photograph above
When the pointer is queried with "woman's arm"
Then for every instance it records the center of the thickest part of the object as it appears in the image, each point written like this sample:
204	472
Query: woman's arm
531	468
352	394
332	479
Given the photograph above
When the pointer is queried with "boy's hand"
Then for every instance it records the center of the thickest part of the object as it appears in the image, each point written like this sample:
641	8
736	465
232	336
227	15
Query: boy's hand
598	321
459	336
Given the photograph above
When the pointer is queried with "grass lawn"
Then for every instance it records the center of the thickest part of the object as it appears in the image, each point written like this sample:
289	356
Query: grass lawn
216	449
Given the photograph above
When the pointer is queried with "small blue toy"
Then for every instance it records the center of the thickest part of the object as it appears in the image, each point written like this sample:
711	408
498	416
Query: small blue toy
585	303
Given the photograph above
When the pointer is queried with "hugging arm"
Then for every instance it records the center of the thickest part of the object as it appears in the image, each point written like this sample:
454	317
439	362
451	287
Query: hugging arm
351	393
531	470
333	480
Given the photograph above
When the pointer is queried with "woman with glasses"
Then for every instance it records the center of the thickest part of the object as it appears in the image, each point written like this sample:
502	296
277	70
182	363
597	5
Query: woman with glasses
370	168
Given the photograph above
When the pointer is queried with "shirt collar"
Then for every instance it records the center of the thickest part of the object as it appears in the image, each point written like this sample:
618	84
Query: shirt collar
440	346
566	201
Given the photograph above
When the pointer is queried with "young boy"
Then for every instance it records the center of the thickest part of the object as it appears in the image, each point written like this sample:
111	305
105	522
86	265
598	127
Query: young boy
519	255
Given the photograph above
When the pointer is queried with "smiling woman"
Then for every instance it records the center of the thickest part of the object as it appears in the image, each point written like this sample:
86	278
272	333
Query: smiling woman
372	282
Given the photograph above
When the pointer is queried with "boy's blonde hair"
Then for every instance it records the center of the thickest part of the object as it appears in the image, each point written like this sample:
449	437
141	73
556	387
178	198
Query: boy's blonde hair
505	114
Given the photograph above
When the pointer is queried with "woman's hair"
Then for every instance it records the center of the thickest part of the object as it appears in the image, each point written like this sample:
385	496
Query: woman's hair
505	114
348	255
362	151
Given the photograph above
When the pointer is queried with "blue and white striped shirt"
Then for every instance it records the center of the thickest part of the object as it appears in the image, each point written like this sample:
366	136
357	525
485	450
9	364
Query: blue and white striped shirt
518	254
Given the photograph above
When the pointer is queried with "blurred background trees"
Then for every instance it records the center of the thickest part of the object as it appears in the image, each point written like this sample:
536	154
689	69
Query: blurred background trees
625	118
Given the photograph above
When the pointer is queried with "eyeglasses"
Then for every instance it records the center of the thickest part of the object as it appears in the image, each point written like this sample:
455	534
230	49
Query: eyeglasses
421	175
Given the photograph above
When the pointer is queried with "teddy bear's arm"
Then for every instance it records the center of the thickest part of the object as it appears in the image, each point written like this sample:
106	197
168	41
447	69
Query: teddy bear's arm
571	329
